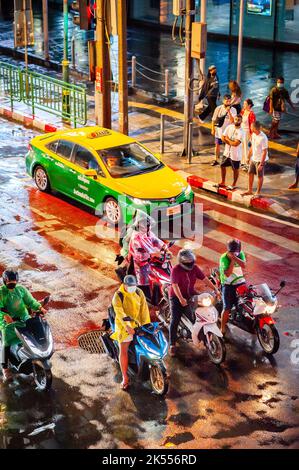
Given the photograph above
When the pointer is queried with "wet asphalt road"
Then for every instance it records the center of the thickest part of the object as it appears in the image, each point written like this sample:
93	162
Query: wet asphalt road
251	401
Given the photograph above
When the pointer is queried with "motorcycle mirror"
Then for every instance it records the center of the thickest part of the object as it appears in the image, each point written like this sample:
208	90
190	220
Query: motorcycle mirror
46	300
282	284
127	319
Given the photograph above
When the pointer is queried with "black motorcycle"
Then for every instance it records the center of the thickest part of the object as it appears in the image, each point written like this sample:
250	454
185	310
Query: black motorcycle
31	356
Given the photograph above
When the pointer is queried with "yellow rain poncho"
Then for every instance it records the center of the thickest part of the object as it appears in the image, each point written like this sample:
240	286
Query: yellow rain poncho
132	305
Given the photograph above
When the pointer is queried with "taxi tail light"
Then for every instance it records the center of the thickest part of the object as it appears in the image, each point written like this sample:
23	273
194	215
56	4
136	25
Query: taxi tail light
29	147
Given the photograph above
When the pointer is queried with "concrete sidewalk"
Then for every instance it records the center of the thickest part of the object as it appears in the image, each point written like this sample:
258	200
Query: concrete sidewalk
144	121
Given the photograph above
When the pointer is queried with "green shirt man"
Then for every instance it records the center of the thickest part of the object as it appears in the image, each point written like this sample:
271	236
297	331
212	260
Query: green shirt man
236	276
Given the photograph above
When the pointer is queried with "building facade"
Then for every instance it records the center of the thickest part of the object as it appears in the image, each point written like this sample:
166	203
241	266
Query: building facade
271	22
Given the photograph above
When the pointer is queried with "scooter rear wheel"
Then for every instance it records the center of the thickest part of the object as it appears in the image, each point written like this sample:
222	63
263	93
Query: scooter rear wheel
216	349
42	377
159	380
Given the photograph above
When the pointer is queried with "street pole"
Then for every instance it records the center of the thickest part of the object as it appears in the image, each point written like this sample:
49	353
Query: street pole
188	99
103	72
240	43
26	49
122	67
65	64
203	19
46	29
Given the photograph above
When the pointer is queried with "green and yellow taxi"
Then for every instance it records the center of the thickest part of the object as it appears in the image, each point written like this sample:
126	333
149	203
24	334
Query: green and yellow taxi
109	172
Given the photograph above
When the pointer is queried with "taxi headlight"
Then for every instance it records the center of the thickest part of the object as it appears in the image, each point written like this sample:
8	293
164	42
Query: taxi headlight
188	190
139	202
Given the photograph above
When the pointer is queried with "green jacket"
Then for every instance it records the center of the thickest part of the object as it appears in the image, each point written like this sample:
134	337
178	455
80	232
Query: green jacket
14	303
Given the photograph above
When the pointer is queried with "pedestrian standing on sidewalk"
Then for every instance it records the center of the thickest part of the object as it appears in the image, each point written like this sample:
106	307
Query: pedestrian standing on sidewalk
210	91
223	116
295	184
248	118
259	156
233	137
279	95
236	94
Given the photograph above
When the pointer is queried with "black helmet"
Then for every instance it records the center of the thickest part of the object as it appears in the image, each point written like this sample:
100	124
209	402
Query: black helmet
186	259
130	280
234	246
10	275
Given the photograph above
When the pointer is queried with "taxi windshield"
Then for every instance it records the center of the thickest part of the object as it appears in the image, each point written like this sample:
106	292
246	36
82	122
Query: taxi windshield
129	160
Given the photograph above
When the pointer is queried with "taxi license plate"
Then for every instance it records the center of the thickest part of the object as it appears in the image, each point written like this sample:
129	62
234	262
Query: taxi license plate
173	210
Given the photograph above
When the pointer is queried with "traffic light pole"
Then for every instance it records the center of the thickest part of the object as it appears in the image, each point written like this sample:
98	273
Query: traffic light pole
188	99
122	67
65	62
103	72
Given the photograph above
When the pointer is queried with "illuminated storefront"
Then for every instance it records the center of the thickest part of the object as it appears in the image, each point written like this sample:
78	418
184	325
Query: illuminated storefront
267	21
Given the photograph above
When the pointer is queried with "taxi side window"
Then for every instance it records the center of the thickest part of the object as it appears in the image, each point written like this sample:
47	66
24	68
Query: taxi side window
85	159
64	149
53	146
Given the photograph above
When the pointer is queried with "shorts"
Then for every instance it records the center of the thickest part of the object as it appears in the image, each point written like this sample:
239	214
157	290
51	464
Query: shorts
276	116
229	296
227	161
253	169
218	141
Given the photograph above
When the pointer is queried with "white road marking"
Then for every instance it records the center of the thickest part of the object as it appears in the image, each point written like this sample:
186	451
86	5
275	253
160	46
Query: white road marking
254	230
250	249
94	250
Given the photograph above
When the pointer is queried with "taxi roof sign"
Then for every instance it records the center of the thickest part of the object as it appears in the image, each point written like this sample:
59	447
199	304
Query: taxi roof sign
101	133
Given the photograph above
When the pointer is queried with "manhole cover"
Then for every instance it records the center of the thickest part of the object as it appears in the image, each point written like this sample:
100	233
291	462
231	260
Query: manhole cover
92	342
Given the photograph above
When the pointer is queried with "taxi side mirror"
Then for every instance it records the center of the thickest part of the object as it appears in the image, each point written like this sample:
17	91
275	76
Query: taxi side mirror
91	173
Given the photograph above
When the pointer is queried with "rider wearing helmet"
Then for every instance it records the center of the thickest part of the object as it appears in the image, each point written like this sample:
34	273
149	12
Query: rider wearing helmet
183	279
144	245
128	301
15	300
231	268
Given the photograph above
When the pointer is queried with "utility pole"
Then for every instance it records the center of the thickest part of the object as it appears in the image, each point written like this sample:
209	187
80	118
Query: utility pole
65	64
46	29
122	67
203	19
103	72
240	43
188	100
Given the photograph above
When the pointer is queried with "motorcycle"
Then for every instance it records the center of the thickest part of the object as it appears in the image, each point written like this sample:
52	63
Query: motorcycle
31	356
201	327
253	313
146	352
159	276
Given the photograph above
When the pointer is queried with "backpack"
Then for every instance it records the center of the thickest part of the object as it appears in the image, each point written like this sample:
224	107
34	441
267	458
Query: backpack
220	121
266	106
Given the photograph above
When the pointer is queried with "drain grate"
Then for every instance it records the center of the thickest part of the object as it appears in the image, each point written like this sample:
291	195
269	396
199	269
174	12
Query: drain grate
92	342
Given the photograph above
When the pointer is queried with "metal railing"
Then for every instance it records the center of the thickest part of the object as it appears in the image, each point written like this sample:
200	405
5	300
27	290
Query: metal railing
45	93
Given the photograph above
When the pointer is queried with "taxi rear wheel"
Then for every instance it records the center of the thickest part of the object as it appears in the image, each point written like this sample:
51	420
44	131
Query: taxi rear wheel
41	179
112	211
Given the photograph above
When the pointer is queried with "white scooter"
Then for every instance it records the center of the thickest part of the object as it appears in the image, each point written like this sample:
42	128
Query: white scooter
202	327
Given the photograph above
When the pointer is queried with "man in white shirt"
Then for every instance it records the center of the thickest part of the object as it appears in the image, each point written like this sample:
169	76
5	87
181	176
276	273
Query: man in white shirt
259	156
222	117
233	137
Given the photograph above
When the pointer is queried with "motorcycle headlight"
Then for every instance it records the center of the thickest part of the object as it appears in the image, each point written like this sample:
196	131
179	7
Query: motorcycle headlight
205	301
270	309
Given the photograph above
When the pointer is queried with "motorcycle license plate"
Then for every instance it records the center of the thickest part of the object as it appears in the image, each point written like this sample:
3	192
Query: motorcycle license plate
173	210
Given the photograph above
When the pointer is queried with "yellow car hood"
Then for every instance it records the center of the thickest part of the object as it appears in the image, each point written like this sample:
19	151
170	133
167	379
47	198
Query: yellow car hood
159	184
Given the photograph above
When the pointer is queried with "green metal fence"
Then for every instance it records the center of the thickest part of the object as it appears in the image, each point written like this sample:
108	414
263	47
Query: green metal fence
45	93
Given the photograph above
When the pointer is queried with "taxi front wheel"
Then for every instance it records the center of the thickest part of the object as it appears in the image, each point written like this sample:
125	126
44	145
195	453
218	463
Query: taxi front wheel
112	211
41	179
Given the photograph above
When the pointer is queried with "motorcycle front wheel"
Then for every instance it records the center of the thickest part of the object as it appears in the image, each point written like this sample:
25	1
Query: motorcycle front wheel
268	338
216	349
42	377
159	380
